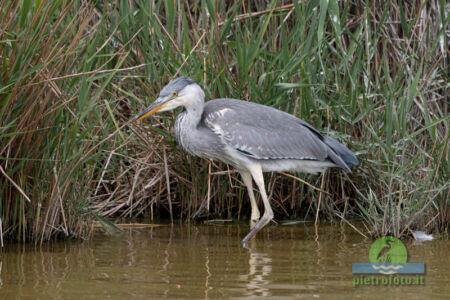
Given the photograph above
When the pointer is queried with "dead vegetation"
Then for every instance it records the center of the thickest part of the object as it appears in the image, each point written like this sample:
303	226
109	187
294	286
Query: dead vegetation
74	74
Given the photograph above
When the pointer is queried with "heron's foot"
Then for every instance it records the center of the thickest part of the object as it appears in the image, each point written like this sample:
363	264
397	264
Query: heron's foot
260	224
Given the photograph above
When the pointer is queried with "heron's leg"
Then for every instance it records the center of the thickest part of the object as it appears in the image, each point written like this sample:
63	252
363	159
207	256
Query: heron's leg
248	181
257	175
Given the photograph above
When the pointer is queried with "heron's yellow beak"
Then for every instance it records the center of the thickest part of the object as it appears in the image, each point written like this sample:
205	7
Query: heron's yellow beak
159	104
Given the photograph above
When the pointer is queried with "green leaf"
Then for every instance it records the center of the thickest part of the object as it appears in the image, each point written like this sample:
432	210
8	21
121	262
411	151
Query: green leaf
107	224
323	13
25	10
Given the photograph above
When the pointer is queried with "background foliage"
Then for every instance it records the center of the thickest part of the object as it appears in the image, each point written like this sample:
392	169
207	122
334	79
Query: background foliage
372	74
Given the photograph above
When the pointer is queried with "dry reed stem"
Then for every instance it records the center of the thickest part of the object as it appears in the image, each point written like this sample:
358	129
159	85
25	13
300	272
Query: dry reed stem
305	182
1	237
94	72
14	184
166	170
316	222
259	13
385	65
190	53
174	44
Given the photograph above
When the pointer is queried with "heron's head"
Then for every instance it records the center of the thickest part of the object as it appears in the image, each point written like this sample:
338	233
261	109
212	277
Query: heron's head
179	92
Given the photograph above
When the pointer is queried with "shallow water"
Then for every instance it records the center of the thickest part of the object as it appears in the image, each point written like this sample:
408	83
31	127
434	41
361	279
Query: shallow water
208	261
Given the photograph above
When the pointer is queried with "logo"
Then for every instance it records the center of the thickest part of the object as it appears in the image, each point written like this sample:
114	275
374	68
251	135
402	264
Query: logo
387	257
388	249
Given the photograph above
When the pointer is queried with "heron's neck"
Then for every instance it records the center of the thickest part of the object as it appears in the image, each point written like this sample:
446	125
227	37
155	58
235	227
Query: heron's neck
186	126
194	112
193	109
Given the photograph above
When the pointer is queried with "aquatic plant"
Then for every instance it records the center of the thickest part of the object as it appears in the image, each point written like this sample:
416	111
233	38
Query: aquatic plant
369	73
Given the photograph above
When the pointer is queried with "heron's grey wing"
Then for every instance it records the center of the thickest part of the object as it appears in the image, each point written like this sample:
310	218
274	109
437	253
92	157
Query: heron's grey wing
262	132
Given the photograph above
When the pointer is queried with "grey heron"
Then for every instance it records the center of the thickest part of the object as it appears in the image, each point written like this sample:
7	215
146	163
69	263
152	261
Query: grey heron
253	138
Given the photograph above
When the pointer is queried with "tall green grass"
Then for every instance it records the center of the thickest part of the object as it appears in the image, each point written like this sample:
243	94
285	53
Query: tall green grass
372	74
52	114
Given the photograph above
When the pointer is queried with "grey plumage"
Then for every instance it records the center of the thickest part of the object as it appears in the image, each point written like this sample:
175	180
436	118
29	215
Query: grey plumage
263	133
253	138
176	85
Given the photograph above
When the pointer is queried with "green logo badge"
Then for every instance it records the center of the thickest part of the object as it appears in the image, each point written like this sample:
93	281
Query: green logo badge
388	257
388	249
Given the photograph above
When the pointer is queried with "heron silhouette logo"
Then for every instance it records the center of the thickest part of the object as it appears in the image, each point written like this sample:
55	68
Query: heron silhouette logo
388	249
387	256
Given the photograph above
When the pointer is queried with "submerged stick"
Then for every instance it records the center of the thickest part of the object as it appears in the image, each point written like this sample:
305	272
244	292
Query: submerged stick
166	168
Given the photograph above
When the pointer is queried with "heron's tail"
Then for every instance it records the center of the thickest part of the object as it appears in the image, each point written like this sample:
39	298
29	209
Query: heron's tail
347	156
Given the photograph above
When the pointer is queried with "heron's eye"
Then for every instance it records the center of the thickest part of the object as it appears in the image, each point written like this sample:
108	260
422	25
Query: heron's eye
174	94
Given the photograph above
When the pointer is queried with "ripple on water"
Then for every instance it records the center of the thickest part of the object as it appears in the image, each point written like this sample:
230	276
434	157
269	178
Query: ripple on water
283	262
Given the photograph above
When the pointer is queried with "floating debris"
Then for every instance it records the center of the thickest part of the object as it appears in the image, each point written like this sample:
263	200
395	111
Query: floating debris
422	236
131	225
292	222
218	221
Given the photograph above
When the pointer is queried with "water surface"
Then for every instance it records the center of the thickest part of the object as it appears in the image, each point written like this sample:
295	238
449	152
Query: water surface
209	262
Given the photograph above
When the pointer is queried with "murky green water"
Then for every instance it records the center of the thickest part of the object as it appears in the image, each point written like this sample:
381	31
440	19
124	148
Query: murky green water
284	262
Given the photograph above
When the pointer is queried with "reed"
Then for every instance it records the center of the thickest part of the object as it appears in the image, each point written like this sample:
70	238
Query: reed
370	73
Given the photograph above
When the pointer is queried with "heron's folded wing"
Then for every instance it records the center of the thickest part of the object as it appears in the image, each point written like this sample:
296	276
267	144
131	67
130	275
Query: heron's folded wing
264	133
